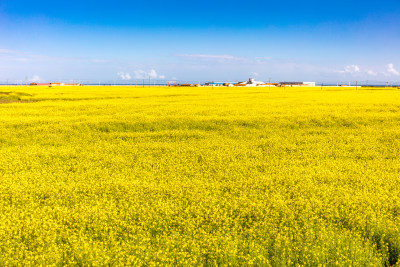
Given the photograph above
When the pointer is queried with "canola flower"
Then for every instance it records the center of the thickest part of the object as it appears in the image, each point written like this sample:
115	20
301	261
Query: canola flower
199	176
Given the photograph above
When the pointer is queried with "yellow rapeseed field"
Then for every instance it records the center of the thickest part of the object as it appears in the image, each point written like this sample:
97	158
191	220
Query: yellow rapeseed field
199	176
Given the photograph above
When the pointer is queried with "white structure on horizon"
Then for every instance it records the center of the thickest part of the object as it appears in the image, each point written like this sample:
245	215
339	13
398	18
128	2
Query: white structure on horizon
309	83
297	84
252	82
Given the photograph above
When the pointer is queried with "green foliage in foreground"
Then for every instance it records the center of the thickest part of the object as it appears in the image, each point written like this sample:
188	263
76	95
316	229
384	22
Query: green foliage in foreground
199	176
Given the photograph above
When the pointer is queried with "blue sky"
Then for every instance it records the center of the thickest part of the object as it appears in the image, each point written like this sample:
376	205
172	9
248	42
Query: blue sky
323	41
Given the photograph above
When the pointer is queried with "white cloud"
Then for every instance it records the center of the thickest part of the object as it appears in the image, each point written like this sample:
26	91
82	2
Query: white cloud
153	74
351	69
124	76
35	79
371	72
391	70
141	74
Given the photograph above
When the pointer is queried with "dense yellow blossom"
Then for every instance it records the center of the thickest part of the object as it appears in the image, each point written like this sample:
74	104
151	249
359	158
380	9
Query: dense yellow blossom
199	176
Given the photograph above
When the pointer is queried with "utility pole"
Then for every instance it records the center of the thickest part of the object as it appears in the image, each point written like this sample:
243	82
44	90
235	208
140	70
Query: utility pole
149	82
356	85
143	82
269	83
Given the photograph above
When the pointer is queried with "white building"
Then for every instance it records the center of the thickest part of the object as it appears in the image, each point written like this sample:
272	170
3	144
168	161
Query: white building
251	82
312	84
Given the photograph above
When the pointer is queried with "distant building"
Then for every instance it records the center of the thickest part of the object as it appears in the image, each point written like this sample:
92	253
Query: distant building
228	84
57	84
251	82
312	84
290	84
41	84
66	84
272	84
215	83
296	84
189	84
